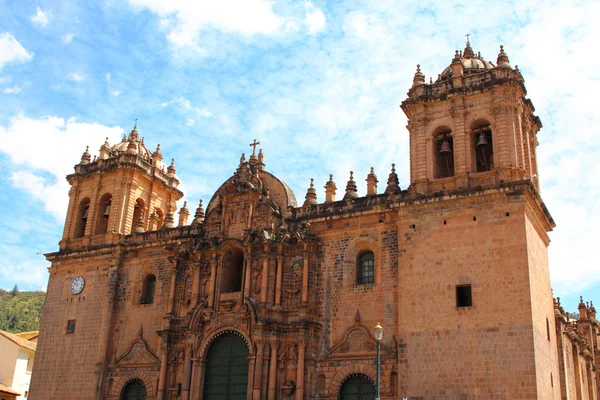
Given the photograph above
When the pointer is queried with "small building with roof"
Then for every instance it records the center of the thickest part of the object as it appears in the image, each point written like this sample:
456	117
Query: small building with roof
16	363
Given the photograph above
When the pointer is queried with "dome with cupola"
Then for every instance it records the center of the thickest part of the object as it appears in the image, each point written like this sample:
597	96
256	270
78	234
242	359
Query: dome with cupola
133	145
472	62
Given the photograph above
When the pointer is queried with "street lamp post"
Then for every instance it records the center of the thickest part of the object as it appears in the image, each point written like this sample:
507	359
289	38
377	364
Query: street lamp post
378	337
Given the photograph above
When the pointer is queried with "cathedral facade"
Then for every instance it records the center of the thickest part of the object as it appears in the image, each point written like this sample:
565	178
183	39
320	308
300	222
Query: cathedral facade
259	297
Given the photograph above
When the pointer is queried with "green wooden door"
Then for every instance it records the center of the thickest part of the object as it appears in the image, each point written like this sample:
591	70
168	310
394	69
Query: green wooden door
226	376
357	387
135	390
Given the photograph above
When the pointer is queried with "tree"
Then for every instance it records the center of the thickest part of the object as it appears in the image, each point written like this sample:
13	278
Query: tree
15	291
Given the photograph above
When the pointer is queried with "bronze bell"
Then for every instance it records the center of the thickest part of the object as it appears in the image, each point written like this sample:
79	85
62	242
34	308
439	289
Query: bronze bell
85	214
107	212
482	141
445	150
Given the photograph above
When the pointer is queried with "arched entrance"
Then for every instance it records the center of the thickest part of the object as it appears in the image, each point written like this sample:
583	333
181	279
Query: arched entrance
226	375
134	390
357	387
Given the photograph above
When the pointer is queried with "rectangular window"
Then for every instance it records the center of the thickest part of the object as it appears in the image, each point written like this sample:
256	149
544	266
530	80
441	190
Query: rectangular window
463	296
30	363
71	326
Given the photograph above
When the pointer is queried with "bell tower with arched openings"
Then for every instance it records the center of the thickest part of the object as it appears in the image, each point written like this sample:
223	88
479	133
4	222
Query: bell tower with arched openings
125	189
472	127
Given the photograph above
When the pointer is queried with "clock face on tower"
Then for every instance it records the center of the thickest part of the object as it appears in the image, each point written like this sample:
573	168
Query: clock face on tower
77	284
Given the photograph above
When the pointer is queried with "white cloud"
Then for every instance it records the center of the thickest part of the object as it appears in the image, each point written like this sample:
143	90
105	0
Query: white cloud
12	51
203	112
75	77
115	93
40	18
107	77
190	122
12	90
184	104
184	19
41	168
66	38
314	18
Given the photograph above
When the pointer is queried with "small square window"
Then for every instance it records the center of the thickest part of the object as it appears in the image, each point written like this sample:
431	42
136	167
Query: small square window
463	296
71	326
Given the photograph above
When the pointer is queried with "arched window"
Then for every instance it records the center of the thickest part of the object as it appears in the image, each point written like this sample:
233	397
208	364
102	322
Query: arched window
232	268
134	390
82	218
483	148
365	268
138	211
148	287
394	384
161	217
103	213
443	149
321	384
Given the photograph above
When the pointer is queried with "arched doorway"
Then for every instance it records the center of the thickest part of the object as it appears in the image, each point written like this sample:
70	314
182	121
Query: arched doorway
134	390
226	375
357	387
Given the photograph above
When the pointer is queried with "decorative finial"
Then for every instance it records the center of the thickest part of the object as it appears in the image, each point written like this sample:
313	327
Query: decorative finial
357	317
502	60
351	189
86	157
419	78
199	215
392	183
171	168
372	170
135	125
311	194
261	156
330	177
468	52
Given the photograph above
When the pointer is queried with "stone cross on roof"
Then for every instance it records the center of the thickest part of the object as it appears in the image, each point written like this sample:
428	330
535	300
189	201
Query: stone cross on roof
253	145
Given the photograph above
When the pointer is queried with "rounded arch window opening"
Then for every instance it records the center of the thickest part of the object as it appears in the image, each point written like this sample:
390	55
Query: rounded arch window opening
232	268
483	148
104	207
148	289
443	154
82	218
365	272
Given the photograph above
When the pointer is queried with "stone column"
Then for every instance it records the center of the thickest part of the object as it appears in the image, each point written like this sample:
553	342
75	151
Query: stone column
187	375
279	259
300	372
265	276
247	272
162	380
305	275
251	366
273	371
172	291
213	281
258	368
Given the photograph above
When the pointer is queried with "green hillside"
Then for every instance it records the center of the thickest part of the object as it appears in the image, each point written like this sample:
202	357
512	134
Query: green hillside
20	311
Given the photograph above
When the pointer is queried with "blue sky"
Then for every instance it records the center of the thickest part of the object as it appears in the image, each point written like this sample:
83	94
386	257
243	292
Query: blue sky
318	83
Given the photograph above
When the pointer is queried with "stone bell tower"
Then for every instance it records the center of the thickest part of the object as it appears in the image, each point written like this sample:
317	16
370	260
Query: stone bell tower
125	189
472	127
